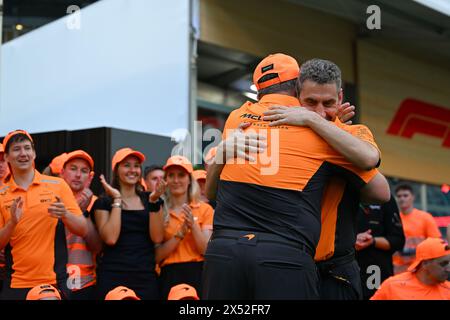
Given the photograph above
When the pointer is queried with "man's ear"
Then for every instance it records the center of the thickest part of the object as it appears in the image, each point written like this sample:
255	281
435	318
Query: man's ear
340	96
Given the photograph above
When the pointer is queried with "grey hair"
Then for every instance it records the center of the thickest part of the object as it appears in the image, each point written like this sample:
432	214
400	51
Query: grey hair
320	71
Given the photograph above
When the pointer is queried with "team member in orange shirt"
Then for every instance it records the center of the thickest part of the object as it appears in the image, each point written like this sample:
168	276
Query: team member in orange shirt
200	177
55	167
34	209
417	225
319	85
188	227
77	171
272	214
425	279
320	94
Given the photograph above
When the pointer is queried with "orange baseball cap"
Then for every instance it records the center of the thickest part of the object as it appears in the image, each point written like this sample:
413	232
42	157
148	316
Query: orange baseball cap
125	152
1	148
12	134
199	174
183	292
79	154
43	291
430	248
282	68
179	161
58	163
121	293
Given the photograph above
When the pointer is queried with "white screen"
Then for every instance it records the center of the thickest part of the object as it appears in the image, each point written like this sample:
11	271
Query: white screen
126	67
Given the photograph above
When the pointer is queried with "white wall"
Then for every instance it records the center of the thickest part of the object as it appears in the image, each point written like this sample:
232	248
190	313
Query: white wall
126	67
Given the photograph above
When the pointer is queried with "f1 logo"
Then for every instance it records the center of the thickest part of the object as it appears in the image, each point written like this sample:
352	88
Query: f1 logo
416	116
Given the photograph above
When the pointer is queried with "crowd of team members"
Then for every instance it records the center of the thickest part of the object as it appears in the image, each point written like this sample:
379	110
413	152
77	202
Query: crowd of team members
150	235
123	235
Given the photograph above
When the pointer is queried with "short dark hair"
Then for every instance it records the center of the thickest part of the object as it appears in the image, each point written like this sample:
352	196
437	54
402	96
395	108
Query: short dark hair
151	168
20	137
319	71
404	186
287	86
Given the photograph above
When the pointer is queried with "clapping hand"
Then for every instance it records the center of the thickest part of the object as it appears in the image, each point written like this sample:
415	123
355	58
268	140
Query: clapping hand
110	191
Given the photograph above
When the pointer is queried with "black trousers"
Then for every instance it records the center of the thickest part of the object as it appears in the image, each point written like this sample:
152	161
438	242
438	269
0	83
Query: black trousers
340	279
177	273
144	284
88	293
245	265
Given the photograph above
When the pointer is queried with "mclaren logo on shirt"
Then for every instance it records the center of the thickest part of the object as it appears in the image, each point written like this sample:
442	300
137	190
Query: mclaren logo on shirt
250	116
249	236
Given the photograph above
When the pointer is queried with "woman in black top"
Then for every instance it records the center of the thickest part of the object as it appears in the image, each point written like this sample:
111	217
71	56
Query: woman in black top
130	223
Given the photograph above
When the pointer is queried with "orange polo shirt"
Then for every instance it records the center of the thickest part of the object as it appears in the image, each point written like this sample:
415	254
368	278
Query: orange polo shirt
406	286
80	258
333	196
36	252
417	226
297	152
187	249
281	192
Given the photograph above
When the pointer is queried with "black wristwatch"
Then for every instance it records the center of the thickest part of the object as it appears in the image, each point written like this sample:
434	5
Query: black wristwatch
155	206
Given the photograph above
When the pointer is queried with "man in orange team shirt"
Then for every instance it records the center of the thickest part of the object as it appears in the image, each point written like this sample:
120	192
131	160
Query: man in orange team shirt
267	223
417	225
34	210
78	170
426	278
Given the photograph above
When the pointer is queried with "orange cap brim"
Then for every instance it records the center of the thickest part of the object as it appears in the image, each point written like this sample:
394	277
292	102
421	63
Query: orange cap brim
80	155
14	133
185	167
137	154
414	265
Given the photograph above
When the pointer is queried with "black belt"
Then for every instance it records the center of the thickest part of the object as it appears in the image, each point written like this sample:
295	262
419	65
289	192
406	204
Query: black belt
256	236
327	266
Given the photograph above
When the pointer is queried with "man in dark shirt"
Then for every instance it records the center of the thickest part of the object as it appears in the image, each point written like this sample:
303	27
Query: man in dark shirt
380	234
